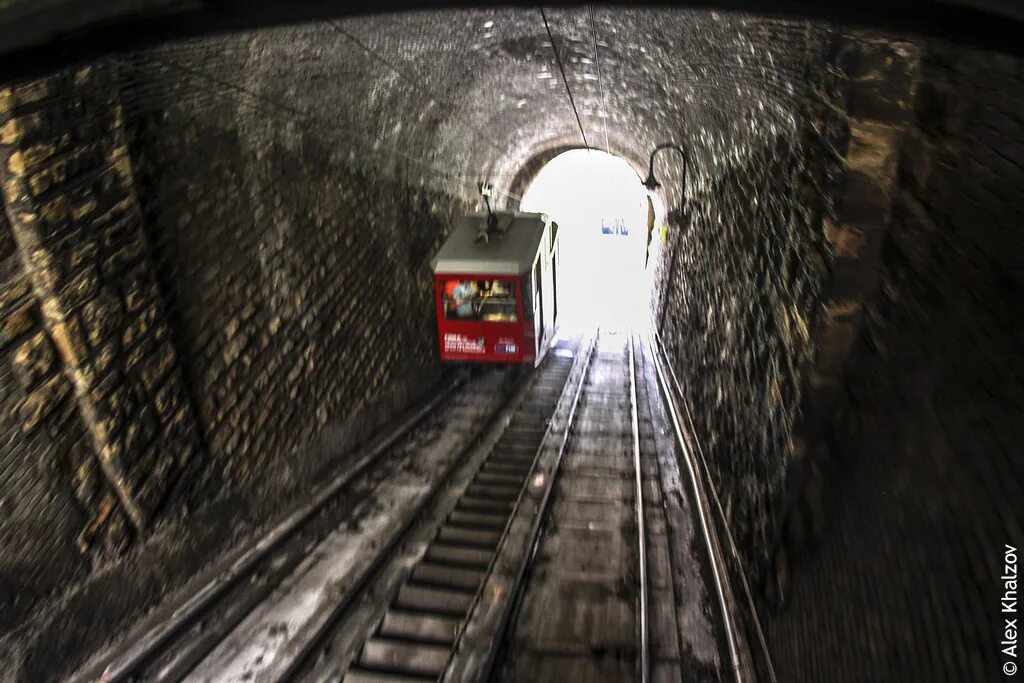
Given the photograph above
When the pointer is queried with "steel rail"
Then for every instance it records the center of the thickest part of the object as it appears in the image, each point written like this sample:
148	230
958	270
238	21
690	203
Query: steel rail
710	536
345	657
471	662
734	551
673	513
645	660
295	667
570	421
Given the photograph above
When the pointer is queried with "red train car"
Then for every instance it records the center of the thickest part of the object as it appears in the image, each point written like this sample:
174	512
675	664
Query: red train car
496	288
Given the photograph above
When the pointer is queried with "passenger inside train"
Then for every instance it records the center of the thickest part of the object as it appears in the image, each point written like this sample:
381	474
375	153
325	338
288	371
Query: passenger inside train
488	300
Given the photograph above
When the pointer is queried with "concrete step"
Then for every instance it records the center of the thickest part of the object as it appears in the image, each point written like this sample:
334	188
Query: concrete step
492	478
485	505
366	676
445	553
447	576
427	628
492	492
421	659
478	520
470	537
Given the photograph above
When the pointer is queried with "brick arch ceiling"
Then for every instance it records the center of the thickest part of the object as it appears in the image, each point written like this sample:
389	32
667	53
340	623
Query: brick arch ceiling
447	98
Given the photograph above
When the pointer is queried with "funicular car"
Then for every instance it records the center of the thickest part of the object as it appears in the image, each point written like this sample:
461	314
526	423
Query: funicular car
496	288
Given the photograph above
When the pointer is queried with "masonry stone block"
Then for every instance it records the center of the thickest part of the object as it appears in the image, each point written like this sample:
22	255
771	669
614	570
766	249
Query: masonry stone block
836	340
916	158
872	149
15	323
852	279
81	253
17	286
33	360
81	289
42	401
102	318
884	73
846	241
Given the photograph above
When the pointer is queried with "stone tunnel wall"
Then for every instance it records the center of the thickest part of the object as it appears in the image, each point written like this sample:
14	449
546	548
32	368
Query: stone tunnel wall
298	284
742	277
924	476
99	376
201	312
41	449
841	301
744	284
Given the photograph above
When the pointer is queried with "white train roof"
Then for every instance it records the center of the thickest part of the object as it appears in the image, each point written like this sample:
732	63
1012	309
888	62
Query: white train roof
510	251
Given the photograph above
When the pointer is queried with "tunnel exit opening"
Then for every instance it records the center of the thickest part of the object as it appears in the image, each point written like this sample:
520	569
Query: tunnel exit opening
603	214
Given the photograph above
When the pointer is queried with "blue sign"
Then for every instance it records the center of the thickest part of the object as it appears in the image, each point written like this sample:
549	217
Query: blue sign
618	228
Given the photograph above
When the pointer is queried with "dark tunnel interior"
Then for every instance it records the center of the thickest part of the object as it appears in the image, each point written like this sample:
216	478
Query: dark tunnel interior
215	283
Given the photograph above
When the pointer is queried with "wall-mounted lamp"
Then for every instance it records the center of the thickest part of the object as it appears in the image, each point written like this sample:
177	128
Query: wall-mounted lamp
651	183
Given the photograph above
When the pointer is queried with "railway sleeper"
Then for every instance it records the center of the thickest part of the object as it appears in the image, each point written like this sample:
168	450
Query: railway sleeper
475	537
477	520
447	576
425	659
433	600
459	555
428	628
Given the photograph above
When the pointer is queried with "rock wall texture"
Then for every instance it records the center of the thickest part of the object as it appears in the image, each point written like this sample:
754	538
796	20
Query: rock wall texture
742	278
925	477
98	340
299	285
839	301
199	309
42	447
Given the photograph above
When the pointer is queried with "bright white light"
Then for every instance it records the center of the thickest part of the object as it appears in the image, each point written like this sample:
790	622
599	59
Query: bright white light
595	197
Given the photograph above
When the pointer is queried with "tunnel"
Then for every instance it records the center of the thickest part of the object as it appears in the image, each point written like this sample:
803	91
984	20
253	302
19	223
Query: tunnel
215	245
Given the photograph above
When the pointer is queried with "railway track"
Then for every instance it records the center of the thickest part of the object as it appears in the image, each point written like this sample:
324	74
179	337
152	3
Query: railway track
583	611
436	578
220	616
541	552
550	581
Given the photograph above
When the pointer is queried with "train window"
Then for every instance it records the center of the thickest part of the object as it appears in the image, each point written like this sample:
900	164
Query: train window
528	297
486	300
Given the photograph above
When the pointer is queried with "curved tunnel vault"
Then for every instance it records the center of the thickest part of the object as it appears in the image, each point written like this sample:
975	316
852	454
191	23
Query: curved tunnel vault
187	227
